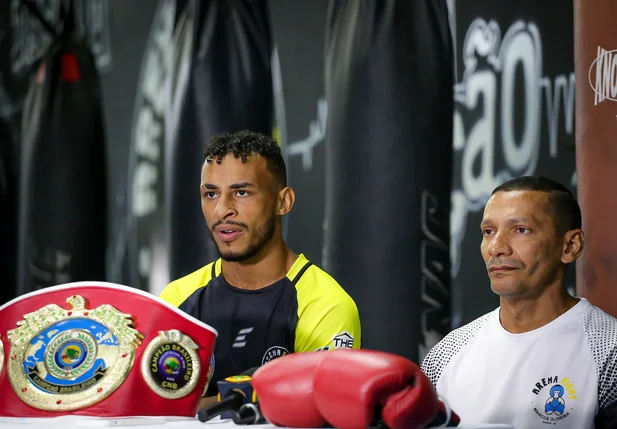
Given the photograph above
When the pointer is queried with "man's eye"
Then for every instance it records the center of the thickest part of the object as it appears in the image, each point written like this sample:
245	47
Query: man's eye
210	194
522	230
487	232
242	193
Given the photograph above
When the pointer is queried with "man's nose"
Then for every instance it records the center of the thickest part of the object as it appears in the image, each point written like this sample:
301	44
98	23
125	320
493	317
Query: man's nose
225	207
499	246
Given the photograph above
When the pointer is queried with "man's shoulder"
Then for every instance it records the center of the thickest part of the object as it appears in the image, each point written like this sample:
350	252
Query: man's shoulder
319	294
451	345
598	323
328	317
321	277
308	274
318	283
601	331
460	337
179	290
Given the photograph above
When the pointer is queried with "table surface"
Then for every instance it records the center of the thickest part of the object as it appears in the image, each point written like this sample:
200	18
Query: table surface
69	422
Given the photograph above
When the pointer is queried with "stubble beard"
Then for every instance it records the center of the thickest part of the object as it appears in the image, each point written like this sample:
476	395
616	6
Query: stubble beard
263	235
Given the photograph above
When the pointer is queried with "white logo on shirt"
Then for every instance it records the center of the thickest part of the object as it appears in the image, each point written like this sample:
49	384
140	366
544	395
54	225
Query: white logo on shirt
273	353
344	340
240	340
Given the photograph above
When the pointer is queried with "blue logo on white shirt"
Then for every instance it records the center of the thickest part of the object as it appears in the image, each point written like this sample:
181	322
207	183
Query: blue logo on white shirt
555	404
552	397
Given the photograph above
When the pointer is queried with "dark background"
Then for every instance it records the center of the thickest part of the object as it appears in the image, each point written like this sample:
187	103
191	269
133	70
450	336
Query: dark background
123	33
551	85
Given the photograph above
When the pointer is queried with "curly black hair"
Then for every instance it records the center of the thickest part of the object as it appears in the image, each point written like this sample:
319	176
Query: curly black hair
244	143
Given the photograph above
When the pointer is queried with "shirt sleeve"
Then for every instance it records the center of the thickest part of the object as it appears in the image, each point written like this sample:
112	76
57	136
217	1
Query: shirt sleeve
176	292
438	358
328	324
606	417
170	295
607	412
431	365
601	331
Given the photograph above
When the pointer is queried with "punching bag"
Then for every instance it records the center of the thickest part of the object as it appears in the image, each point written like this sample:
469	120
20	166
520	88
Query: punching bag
205	70
389	81
62	192
595	63
8	211
222	82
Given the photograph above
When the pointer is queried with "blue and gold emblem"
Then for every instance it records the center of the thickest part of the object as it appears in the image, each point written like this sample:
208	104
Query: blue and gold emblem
170	364
69	359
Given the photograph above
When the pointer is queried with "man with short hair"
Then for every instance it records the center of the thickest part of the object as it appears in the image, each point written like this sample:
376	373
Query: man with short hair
543	356
263	299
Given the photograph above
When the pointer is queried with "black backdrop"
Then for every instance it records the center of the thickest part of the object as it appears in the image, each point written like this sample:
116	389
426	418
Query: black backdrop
120	32
514	115
128	40
299	29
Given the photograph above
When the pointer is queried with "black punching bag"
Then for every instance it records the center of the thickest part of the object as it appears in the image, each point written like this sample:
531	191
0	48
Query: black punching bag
63	193
389	82
222	82
8	211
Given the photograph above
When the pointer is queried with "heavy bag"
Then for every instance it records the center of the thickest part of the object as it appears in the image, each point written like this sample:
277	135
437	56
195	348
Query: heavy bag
222	82
299	35
8	210
62	192
140	255
389	83
595	67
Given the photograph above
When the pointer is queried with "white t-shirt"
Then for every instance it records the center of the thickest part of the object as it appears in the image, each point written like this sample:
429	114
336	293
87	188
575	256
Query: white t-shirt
562	375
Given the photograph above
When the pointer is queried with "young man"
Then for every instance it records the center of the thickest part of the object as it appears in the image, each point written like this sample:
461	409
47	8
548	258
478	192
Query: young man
262	298
543	356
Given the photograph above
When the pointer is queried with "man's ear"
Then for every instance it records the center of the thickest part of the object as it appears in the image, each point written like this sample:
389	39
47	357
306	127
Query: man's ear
286	200
574	243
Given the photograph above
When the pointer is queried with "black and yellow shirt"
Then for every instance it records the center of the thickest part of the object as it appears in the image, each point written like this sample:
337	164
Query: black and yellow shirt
305	311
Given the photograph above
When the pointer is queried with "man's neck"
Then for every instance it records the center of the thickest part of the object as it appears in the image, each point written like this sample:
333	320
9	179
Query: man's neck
519	315
264	269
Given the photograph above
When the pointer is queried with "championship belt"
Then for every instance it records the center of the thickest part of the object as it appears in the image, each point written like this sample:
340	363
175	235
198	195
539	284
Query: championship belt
102	350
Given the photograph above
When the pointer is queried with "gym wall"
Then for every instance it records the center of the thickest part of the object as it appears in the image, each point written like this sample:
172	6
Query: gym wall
511	99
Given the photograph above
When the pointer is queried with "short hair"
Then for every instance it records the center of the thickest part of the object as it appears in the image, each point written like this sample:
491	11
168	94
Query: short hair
563	206
244	143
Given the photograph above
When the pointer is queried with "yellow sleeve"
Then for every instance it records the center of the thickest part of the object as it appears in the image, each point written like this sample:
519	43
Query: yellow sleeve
171	295
179	290
328	318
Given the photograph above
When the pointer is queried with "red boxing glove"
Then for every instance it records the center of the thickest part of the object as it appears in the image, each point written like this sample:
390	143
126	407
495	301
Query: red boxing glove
284	389
445	417
350	385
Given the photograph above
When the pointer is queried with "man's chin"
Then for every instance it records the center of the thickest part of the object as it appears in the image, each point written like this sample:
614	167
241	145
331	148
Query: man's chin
230	255
233	257
506	289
